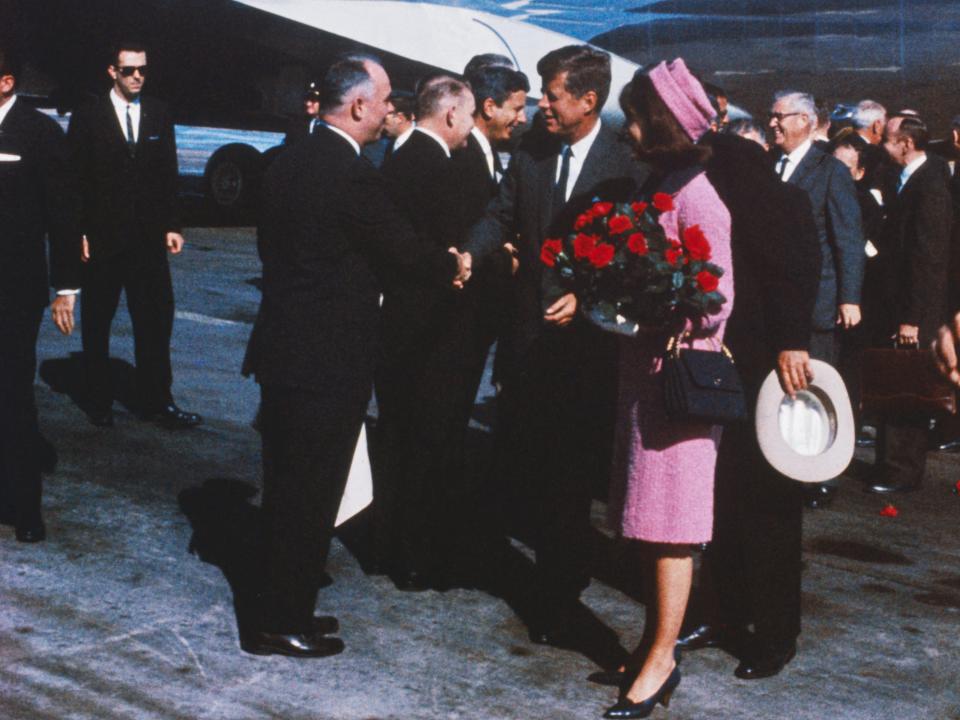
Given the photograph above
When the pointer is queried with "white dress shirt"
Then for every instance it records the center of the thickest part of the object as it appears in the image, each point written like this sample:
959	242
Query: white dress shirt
487	151
120	105
403	137
578	153
793	159
5	108
436	138
909	170
353	143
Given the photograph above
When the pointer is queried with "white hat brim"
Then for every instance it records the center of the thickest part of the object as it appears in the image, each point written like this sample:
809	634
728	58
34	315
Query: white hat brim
828	387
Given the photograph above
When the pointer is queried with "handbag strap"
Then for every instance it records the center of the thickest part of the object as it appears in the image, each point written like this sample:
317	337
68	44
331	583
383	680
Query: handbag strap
675	341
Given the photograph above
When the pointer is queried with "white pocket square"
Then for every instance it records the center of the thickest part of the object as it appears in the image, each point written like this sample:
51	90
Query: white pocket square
7	157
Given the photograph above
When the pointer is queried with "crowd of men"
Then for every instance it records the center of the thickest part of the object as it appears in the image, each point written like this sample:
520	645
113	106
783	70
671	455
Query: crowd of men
850	247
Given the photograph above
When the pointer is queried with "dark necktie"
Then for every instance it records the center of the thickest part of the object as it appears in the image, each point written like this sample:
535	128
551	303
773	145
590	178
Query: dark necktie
783	166
497	166
560	189
131	138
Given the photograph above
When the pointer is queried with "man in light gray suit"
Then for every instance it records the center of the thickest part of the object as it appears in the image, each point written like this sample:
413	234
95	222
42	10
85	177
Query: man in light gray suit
793	121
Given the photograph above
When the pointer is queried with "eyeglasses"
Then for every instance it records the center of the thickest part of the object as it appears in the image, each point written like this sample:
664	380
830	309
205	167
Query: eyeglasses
129	70
780	117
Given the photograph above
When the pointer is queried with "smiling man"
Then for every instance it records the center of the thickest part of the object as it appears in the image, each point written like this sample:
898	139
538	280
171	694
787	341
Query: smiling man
557	383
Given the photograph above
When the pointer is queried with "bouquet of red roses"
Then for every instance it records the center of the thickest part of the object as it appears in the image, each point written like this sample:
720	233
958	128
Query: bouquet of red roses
627	273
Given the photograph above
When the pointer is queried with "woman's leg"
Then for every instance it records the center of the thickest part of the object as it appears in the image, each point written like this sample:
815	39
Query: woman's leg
673	569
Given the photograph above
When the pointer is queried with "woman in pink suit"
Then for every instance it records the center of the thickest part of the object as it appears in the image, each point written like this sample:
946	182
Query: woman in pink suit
662	493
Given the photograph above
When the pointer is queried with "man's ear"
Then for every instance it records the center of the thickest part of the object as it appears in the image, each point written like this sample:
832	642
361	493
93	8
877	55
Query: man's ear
488	108
357	109
589	99
451	116
112	72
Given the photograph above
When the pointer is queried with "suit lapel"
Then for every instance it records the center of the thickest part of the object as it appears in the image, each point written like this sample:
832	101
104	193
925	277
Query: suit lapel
546	178
806	166
593	166
112	123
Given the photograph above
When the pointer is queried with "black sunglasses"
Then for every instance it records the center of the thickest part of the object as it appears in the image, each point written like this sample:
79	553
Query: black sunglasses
129	70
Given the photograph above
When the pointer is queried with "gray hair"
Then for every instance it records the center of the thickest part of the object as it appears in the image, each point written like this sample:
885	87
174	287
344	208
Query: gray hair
433	93
867	113
346	74
800	102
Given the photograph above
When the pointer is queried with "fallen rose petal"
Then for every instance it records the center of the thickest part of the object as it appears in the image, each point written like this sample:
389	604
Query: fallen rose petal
889	511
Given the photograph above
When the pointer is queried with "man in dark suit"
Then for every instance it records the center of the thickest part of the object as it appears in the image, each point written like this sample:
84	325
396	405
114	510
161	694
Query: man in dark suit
328	236
125	159
305	124
914	256
793	119
556	409
35	199
754	561
429	342
836	210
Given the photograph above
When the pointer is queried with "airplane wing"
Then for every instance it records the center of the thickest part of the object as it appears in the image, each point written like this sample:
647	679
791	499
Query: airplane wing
443	36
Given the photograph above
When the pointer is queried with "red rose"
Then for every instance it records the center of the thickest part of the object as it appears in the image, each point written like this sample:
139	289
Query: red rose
707	281
600	209
890	511
549	251
696	243
583	245
639	208
672	255
663	202
637	243
602	254
619	224
583	220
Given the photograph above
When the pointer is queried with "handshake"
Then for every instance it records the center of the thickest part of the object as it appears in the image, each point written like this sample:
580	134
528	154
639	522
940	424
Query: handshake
464	263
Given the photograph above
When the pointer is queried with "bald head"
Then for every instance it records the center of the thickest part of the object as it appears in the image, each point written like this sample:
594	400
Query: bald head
355	94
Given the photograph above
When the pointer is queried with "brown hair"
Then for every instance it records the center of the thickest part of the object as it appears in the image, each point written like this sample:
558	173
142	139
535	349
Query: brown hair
914	128
663	142
587	69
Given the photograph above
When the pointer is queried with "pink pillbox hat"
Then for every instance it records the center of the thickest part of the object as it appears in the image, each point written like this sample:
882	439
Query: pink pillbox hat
685	97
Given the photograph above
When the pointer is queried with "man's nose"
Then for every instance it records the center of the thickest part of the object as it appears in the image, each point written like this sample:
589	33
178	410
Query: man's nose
543	104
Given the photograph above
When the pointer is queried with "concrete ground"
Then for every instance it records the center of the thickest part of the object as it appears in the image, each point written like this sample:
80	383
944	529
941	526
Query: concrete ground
113	617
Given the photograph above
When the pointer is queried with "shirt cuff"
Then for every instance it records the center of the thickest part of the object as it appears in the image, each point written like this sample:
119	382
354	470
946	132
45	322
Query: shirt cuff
69	291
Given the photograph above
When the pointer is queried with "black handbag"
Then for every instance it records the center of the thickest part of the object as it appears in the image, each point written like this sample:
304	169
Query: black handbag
702	385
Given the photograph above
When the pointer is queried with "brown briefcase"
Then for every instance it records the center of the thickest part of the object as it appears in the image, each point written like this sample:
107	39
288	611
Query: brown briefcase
904	381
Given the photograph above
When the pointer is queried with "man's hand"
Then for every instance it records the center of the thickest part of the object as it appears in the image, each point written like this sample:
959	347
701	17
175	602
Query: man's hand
848	315
908	335
464	265
514	257
174	243
562	311
794	369
85	250
61	309
945	350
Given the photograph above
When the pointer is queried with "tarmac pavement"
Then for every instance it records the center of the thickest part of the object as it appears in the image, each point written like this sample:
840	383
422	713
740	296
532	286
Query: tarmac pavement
114	616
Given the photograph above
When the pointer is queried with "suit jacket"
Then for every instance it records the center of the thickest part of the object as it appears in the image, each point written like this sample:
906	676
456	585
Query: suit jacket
522	213
776	263
836	212
36	199
422	182
126	199
914	251
328	233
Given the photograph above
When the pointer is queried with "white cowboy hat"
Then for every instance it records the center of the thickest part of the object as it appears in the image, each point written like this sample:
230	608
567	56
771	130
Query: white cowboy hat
811	438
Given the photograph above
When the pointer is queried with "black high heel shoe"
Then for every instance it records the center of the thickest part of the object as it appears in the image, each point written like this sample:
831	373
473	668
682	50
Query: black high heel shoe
627	709
621	678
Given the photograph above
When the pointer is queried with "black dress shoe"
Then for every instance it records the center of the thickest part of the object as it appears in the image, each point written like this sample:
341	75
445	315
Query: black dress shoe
295	645
324	625
100	418
764	662
170	416
712	635
819	496
885	487
628	709
30	533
